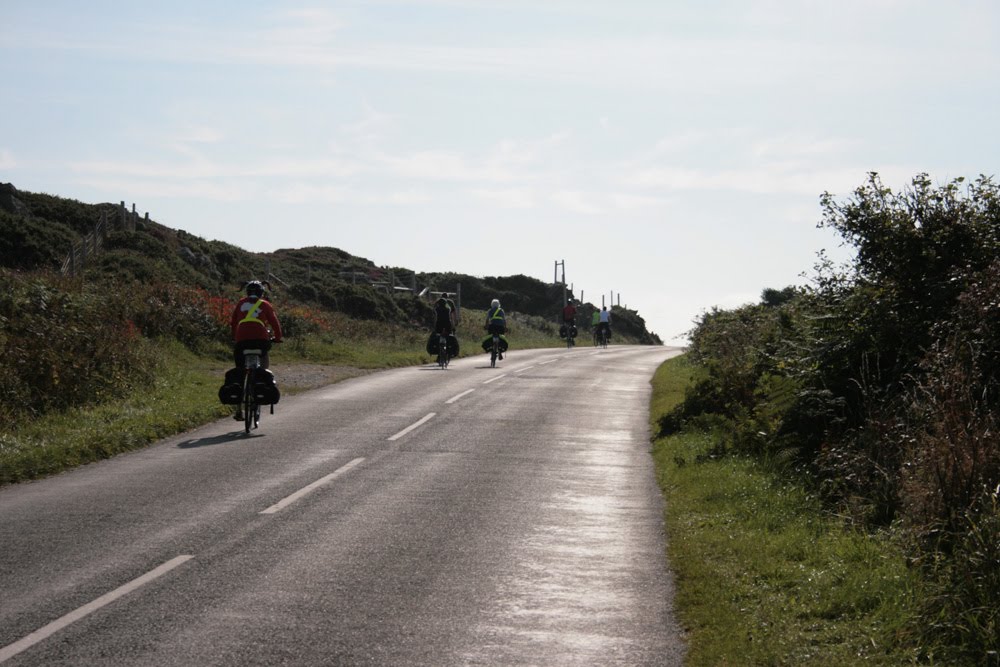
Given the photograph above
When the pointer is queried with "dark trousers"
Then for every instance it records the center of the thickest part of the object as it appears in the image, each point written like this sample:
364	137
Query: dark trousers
263	345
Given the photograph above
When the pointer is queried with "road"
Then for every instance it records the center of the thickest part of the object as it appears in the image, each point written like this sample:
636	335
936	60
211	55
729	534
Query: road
468	516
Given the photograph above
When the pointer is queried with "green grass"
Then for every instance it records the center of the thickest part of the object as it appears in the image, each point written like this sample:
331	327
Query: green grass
184	396
764	576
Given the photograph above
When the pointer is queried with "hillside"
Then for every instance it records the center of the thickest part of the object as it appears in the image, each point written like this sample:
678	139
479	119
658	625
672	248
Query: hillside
108	245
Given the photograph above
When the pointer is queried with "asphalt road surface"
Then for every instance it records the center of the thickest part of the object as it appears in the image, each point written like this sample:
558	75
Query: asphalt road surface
467	516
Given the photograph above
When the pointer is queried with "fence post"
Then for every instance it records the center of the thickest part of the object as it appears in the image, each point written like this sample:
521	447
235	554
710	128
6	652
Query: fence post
72	260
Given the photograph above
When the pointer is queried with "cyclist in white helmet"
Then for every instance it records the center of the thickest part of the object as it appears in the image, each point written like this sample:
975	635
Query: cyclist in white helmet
496	320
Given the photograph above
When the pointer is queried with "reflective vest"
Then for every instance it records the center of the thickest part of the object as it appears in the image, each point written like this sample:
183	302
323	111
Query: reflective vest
251	314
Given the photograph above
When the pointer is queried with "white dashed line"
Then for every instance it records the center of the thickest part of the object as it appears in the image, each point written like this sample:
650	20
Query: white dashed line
455	398
495	379
409	428
521	370
281	504
55	626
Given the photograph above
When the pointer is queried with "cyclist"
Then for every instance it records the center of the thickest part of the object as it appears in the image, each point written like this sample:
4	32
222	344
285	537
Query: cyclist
569	314
605	322
254	324
496	320
568	328
445	317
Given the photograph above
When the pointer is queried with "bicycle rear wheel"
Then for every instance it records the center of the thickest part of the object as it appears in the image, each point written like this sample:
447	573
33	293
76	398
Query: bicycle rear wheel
249	404
442	352
493	353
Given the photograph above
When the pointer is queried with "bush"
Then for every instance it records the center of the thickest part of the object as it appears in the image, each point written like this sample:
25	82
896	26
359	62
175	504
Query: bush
27	243
63	345
884	377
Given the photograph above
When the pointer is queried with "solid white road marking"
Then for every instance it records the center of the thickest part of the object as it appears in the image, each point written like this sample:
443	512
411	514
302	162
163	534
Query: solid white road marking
281	504
495	379
55	626
409	428
455	398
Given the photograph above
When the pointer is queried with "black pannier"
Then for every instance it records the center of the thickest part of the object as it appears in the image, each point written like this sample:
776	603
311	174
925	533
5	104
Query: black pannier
231	391
563	331
488	344
265	389
434	342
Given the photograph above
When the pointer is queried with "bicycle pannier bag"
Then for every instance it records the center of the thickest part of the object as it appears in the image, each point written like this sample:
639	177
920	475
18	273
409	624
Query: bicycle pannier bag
265	389
432	345
231	391
453	345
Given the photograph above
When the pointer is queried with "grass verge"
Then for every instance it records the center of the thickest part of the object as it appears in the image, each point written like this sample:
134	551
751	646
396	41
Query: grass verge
765	576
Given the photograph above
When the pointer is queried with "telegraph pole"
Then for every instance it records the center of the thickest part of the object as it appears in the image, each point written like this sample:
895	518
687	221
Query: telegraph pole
555	277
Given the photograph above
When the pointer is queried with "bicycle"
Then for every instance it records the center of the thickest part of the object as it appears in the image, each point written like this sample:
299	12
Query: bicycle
495	351
601	337
251	408
570	336
444	354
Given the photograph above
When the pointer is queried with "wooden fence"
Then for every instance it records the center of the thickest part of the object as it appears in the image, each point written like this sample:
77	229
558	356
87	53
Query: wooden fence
90	246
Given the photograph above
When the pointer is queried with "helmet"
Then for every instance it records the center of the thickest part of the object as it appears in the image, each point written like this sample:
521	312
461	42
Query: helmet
495	303
255	288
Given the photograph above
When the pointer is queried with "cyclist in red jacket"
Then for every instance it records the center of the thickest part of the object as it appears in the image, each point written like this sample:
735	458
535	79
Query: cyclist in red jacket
255	324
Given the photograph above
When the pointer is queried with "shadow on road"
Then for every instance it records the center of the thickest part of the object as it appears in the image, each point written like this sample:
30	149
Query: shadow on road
217	439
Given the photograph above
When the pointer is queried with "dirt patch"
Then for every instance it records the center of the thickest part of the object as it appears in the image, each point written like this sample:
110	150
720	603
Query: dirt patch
302	377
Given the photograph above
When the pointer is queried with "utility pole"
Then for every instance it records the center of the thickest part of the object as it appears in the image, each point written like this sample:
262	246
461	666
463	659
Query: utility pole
555	277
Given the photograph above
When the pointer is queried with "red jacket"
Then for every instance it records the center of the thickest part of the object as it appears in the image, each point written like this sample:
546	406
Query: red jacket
251	319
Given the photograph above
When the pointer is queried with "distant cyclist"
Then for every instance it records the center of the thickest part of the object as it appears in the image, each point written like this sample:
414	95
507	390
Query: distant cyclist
496	320
254	324
569	314
445	317
605	322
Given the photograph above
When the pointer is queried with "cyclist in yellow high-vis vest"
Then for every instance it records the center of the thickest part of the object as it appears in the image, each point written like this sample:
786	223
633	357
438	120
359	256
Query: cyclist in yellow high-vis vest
496	321
254	323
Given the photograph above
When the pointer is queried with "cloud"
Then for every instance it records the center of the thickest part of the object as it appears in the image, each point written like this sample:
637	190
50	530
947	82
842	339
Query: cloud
576	202
300	193
137	187
512	198
7	160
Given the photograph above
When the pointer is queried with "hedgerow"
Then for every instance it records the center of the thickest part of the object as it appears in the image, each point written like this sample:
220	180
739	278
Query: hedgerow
880	384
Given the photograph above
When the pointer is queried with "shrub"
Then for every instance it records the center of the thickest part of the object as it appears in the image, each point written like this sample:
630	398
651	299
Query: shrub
65	344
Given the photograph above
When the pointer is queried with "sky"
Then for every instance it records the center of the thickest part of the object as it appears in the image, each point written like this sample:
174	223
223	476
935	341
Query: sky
671	155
